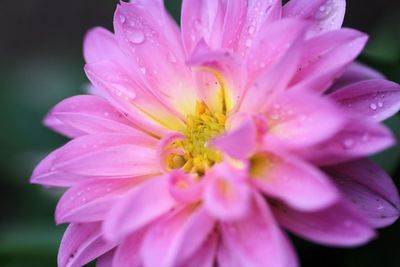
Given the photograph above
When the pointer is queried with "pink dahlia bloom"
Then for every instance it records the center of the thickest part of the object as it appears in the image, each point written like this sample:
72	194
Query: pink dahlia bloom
199	147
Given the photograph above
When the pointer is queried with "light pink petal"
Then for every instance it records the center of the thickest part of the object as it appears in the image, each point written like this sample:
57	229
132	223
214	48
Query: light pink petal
103	155
300	120
202	19
247	133
257	240
58	126
270	44
154	46
128	252
229	77
81	244
141	106
338	225
91	200
138	208
88	115
326	57
106	259
273	80
227	196
205	255
226	257
377	99
369	189
358	138
293	181
327	15
356	72
176	237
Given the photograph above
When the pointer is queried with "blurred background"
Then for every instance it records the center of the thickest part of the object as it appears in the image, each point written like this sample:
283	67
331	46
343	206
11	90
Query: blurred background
41	63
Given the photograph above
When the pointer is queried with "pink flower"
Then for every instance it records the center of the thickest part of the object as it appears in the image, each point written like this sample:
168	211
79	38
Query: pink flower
202	146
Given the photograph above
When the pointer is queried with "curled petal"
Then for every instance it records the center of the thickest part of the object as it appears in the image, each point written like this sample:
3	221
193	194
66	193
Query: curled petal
176	237
185	187
338	225
138	208
81	244
295	182
327	15
377	99
369	189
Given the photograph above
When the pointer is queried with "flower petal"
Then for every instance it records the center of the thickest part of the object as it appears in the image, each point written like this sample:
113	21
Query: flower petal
377	99
81	244
299	120
326	57
257	240
106	259
205	255
90	200
338	225
128	252
226	194
138	208
327	15
358	138
176	237
369	189
87	115
293	181
103	155
155	48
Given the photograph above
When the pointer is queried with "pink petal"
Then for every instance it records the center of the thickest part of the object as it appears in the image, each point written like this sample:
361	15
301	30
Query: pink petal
81	244
176	237
155	48
356	72
270	44
143	107
138	208
358	138
327	15
205	255
128	252
377	99
369	189
106	259
326	57
104	155
257	239
273	80
185	187
87	115
300	119
58	126
338	225
202	19
295	182
227	195
246	132
90	200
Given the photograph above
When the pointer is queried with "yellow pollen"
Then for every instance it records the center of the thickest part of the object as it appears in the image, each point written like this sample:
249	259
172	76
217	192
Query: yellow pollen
200	128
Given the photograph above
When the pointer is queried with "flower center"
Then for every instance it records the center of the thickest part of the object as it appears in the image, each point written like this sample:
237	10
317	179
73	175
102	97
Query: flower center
198	156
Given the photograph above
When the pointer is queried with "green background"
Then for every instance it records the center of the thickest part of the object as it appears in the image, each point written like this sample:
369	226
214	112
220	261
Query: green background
41	64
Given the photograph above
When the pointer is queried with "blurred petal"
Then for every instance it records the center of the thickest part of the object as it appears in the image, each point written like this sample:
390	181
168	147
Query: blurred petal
105	260
338	225
128	252
257	240
138	208
176	237
91	200
358	138
327	15
81	244
293	181
205	255
369	189
377	99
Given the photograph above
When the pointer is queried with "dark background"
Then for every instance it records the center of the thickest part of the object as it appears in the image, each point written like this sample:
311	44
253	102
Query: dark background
41	63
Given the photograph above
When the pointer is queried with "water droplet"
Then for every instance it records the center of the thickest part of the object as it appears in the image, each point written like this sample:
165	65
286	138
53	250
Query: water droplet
249	42
122	19
380	104
365	137
106	114
79	193
136	36
143	70
83	199
373	106
380	207
251	29
108	189
348	143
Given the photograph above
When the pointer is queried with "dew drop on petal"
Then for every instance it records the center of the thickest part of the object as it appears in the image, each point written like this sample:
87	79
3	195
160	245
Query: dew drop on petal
122	19
136	36
380	104
348	143
373	106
